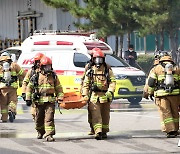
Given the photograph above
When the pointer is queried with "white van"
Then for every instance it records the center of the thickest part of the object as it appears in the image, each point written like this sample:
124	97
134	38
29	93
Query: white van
69	54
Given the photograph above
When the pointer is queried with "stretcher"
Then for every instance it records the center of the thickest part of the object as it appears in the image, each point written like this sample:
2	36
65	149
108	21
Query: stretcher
72	100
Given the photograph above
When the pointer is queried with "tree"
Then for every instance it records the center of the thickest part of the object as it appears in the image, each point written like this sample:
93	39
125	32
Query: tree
159	17
118	17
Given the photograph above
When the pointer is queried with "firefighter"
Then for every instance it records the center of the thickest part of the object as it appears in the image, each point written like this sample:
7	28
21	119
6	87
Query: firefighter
44	89
164	83
34	69
10	74
88	67
155	63
98	88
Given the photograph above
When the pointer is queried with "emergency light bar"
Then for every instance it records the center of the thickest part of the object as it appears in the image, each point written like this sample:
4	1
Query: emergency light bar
52	43
90	46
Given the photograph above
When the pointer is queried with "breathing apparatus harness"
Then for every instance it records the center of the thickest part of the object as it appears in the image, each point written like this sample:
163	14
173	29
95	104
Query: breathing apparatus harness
7	77
90	74
34	79
168	83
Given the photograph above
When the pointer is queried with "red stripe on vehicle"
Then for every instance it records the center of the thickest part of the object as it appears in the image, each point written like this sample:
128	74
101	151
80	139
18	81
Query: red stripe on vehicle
61	72
41	43
64	43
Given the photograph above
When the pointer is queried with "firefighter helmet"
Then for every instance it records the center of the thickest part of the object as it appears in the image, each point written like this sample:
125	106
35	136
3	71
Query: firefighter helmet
45	61
166	58
98	53
38	56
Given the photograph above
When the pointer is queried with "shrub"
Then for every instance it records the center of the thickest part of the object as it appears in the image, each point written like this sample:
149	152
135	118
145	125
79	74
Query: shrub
145	61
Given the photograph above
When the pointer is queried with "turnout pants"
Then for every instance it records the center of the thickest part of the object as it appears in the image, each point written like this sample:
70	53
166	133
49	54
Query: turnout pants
8	101
100	113
44	119
90	119
168	109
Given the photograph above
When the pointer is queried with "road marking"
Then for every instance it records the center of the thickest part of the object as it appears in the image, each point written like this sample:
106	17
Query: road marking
142	115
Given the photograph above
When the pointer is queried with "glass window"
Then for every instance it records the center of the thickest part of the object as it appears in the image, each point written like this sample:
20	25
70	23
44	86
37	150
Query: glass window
115	61
80	60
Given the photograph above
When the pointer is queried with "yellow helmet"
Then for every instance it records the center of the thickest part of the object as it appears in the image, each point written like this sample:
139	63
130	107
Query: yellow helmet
5	58
166	58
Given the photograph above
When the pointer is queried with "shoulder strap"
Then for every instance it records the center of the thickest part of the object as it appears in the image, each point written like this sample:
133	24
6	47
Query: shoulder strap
54	77
106	73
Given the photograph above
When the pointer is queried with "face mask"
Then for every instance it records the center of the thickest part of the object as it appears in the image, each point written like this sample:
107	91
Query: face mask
47	69
98	61
131	50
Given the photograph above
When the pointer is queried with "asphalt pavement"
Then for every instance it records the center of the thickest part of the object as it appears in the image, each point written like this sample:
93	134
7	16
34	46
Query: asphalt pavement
132	130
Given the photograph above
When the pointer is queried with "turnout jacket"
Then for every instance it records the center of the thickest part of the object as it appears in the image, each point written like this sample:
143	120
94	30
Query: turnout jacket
156	80
103	83
26	80
48	88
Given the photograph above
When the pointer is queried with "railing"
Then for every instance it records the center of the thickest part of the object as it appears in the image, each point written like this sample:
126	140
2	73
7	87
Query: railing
6	43
62	32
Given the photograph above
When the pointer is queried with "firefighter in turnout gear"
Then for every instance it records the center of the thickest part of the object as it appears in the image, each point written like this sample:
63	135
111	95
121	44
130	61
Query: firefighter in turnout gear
88	67
34	70
155	63
164	85
98	88
10	75
44	89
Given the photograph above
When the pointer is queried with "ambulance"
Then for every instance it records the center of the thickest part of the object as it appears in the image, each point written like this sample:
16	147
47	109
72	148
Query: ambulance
69	52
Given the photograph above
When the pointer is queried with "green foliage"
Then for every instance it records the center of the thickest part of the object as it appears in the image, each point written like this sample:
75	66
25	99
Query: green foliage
118	17
145	61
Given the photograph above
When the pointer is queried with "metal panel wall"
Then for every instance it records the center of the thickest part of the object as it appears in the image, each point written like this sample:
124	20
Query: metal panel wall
8	16
52	18
64	19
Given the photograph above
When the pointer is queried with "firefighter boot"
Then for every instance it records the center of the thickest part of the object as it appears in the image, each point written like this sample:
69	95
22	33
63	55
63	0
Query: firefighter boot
104	135
50	138
98	136
11	116
14	115
91	132
171	134
40	136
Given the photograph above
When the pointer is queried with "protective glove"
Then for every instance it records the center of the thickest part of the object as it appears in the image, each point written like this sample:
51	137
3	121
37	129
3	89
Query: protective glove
24	96
151	97
28	102
109	94
85	98
60	101
146	95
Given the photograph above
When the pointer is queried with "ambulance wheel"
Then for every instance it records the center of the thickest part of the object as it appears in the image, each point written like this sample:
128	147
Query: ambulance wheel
134	101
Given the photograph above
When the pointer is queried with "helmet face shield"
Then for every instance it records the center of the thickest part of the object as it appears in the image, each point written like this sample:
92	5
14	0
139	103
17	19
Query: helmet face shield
47	68
98	61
